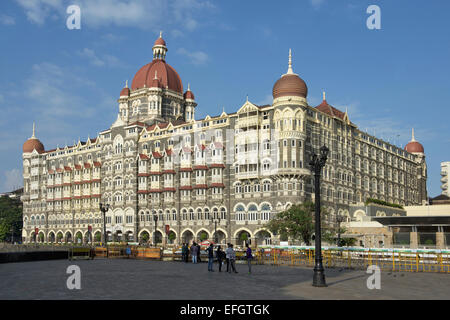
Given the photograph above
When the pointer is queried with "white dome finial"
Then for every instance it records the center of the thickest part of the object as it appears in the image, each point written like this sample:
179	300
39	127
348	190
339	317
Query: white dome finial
34	127
324	95
412	135
290	71
160	34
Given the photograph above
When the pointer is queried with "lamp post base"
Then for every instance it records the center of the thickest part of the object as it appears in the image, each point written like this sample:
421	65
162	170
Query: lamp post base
319	279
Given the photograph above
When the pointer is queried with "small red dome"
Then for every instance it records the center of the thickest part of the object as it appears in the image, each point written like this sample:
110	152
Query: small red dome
414	147
290	85
189	95
160	42
125	92
32	144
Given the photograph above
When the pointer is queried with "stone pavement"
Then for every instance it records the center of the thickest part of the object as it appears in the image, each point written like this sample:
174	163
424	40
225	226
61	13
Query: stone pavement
140	279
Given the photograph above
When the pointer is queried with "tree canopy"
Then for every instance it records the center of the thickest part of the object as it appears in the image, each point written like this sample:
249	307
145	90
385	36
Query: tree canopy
296	222
10	217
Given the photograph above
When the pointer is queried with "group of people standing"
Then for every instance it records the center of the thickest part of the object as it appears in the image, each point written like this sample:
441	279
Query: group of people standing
229	255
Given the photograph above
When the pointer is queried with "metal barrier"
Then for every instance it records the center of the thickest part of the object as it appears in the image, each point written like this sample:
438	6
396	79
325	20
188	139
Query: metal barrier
149	253
358	258
420	260
81	253
100	252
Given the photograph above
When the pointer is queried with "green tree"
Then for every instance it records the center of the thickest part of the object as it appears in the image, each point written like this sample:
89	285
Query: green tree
203	236
98	237
330	235
348	242
10	218
145	236
172	236
243	236
297	222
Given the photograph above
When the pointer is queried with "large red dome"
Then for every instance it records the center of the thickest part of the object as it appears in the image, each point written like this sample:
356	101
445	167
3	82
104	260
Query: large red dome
290	85
414	147
32	144
167	76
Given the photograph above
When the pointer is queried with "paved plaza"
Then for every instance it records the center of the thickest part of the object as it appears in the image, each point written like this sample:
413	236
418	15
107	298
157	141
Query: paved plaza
140	279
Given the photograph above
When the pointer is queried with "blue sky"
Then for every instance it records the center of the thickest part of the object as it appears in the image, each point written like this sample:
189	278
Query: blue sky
68	81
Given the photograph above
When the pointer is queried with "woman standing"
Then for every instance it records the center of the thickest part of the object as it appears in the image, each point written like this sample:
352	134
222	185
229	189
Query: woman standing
249	256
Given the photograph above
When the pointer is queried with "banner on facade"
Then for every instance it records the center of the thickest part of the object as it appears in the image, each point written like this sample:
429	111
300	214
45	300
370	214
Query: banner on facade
167	229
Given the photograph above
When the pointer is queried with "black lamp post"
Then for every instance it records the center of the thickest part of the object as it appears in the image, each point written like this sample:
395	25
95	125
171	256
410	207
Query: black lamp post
155	218
215	228
104	208
317	164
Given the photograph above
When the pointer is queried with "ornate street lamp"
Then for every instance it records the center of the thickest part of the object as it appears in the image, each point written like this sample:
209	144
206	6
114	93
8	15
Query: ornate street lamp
104	208
215	228
155	218
317	164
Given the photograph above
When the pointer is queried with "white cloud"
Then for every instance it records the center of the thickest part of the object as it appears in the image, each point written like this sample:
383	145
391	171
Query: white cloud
7	20
93	59
196	57
110	37
55	92
317	3
389	129
176	33
13	180
267	100
148	14
37	11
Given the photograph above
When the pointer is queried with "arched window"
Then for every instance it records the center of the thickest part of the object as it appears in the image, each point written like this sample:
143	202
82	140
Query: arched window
253	212
265	212
223	213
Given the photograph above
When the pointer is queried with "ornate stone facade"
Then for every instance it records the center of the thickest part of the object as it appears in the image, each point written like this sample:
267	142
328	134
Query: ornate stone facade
242	168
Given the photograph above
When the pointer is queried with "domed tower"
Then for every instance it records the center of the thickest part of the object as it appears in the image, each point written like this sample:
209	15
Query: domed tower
189	110
290	88
33	168
416	148
290	104
156	93
33	144
289	101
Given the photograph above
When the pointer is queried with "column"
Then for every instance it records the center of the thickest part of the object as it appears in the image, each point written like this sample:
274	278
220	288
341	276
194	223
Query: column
440	239
413	236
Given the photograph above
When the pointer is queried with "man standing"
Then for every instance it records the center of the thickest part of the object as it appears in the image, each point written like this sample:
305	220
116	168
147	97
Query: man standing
194	252
227	257
210	257
199	253
220	255
184	251
232	257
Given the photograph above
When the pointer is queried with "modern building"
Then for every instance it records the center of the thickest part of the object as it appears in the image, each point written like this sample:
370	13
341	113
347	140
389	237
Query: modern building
170	177
445	173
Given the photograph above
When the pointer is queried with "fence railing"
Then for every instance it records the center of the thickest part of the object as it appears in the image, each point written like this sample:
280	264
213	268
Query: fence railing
392	259
359	258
